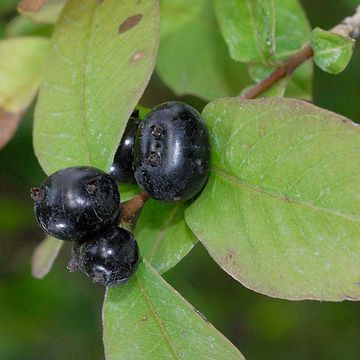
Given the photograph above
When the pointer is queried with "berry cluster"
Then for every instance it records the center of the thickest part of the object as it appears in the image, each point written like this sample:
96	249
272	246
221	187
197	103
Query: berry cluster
167	154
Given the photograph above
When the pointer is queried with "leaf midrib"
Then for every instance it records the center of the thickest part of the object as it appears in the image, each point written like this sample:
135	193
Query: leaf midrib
157	318
233	179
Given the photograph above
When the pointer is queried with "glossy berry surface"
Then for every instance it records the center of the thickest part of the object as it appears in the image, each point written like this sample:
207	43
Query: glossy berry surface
121	169
76	202
172	152
108	259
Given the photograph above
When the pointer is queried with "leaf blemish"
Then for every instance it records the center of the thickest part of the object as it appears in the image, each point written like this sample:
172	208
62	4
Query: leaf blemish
138	56
144	318
129	23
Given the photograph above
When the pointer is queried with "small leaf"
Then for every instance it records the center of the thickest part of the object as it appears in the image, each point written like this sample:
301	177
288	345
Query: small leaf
332	52
42	11
94	79
148	319
44	256
21	62
281	210
193	57
163	236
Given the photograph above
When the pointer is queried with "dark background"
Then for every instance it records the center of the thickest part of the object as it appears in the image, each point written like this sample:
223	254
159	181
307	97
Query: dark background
59	317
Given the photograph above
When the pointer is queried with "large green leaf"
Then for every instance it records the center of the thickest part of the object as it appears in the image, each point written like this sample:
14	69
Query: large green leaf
102	56
163	236
148	319
258	30
193	58
281	210
21	62
332	52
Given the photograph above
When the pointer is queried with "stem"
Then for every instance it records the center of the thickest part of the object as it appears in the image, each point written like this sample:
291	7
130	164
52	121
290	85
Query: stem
349	27
130	208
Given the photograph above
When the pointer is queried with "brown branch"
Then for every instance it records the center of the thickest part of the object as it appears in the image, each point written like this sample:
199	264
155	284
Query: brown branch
130	208
349	27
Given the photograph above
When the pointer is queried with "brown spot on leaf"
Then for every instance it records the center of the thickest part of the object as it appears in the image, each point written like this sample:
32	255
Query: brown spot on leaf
144	318
8	125
138	56
129	23
31	5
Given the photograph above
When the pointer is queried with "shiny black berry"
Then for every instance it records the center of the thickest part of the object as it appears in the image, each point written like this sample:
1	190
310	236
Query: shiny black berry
121	169
75	203
108	259
172	152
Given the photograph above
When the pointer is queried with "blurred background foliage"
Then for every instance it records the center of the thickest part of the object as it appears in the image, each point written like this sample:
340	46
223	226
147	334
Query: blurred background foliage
60	317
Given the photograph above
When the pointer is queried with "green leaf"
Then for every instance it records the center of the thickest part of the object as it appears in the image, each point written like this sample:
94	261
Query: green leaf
293	29
193	58
102	56
21	26
148	319
163	236
42	11
298	85
44	256
21	62
128	191
281	210
248	27
332	52
258	30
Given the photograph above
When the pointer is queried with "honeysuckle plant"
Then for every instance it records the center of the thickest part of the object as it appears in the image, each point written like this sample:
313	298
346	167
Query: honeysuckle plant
281	209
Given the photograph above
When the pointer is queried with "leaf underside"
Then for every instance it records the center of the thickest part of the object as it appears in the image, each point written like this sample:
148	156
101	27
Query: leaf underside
163	236
285	186
44	256
148	319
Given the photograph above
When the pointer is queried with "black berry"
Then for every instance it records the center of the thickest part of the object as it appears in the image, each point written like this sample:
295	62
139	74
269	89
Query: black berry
121	169
172	152
76	202
108	259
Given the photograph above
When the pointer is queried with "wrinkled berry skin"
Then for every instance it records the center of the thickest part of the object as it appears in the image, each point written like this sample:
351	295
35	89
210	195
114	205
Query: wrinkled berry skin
172	152
75	203
121	169
110	258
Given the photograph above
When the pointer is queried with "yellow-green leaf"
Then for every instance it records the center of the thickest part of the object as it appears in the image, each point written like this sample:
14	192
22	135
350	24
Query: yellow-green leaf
163	236
332	52
42	11
281	210
100	62
148	319
44	256
21	62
